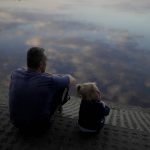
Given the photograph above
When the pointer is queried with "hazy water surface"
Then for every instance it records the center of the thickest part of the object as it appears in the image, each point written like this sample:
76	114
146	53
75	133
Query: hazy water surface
95	40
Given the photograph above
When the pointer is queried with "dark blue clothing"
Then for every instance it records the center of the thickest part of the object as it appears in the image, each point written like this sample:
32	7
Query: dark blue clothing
32	96
92	113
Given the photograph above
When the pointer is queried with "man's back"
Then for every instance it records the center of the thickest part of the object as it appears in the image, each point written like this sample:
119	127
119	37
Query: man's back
31	96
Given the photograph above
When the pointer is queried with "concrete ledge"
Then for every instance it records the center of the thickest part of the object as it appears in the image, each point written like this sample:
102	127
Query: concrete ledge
123	116
64	133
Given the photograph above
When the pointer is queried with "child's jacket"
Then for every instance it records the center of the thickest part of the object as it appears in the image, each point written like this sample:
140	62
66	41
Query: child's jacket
91	114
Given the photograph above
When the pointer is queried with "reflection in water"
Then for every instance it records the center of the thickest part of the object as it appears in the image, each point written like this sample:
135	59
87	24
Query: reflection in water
90	50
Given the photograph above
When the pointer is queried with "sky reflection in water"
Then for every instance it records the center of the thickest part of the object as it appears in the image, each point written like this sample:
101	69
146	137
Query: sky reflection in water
102	41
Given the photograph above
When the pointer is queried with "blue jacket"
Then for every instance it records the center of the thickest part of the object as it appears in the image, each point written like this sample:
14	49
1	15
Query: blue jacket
91	114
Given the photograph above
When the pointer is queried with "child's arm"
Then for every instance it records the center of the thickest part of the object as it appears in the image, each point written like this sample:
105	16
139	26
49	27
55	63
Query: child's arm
106	109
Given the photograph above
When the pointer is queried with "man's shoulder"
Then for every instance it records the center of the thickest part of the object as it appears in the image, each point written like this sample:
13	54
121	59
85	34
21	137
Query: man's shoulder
18	71
21	69
45	76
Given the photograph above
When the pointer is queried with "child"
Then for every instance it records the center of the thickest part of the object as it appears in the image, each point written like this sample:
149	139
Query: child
92	110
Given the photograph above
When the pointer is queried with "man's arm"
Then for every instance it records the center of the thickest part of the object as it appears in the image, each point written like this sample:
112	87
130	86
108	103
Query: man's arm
63	80
72	80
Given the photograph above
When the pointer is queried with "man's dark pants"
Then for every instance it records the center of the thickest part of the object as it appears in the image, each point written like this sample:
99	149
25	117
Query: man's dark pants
42	125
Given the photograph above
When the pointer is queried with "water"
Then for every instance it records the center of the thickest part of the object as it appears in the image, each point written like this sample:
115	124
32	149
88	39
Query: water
95	40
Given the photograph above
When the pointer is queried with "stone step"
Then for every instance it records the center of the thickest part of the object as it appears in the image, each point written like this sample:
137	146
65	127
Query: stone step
127	128
128	117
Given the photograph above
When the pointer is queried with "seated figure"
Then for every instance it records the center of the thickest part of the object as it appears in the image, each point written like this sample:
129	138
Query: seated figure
35	95
92	109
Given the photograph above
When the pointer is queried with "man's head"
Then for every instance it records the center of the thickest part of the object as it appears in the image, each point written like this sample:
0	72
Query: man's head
36	59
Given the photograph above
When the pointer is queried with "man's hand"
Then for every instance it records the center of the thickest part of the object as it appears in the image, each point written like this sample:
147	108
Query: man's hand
72	80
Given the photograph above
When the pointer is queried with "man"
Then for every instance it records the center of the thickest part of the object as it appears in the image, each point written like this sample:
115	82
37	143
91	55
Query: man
35	95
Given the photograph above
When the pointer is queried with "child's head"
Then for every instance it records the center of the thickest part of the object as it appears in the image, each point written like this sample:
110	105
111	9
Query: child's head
88	91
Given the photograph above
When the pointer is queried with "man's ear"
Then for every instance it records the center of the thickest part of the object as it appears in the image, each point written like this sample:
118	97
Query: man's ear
41	66
43	63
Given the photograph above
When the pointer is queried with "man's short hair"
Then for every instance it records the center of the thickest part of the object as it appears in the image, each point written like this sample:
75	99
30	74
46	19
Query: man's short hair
34	56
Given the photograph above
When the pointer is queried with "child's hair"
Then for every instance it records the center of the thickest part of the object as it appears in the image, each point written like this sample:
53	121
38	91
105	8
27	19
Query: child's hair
88	91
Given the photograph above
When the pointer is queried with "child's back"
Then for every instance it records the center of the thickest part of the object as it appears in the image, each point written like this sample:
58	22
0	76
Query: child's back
92	111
